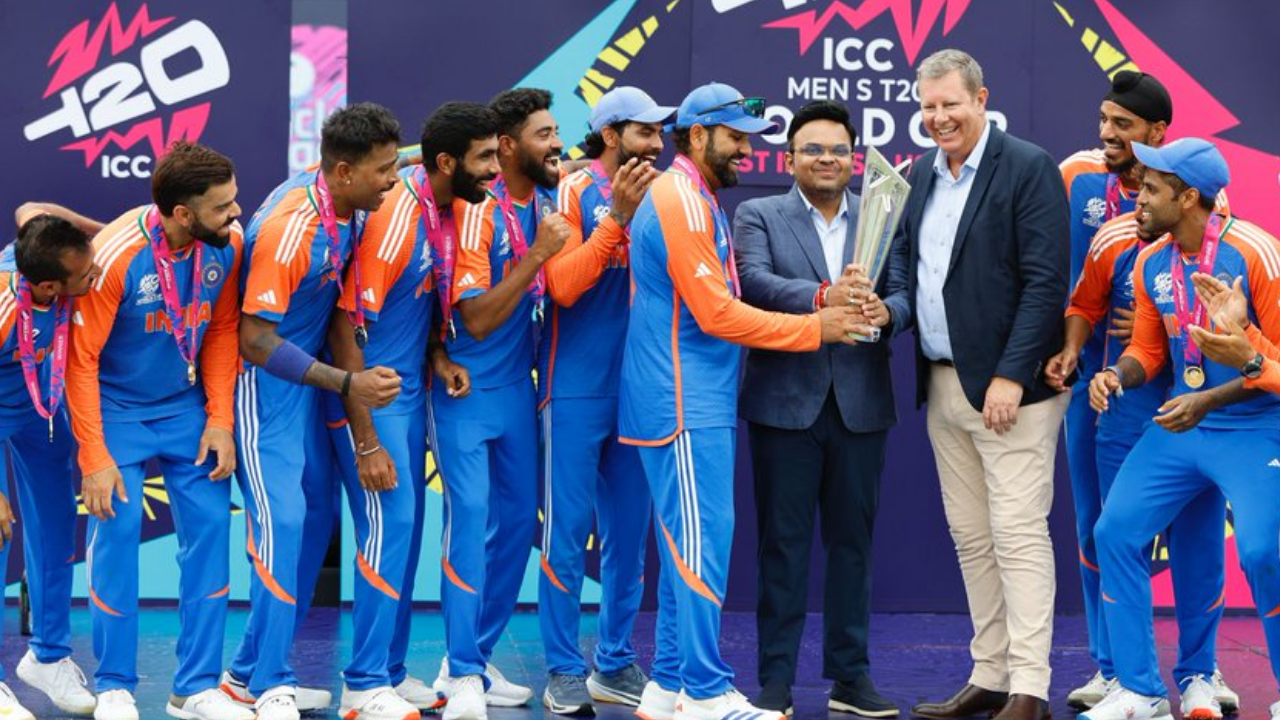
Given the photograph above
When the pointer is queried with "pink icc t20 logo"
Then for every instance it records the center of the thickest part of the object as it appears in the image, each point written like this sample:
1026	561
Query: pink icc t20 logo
122	107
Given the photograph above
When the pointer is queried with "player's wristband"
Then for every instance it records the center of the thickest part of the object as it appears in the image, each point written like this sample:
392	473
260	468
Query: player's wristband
289	362
346	385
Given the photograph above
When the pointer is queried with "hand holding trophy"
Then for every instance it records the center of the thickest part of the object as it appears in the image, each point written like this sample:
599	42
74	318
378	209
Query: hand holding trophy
884	197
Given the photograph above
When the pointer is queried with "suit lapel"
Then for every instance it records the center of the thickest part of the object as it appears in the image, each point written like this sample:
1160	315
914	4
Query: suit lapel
921	186
798	219
986	169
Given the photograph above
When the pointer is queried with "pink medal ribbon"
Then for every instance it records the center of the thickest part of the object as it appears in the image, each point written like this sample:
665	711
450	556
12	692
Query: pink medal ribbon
519	245
329	218
188	338
687	167
442	239
1113	198
27	351
1193	313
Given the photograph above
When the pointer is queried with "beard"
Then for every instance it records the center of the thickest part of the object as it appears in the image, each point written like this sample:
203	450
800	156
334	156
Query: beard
210	237
724	167
625	155
467	186
536	170
1123	167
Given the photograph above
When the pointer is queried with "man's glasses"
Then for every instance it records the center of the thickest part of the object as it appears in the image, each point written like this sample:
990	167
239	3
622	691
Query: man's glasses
814	150
753	106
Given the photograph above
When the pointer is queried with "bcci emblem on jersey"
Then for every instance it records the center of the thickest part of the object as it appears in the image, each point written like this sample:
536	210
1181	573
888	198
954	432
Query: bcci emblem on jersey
149	290
213	274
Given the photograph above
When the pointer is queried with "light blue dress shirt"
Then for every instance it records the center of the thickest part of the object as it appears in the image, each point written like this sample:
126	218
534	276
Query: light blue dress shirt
832	235
938	226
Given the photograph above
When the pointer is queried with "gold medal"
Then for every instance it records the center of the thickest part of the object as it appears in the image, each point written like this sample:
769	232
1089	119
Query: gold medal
1193	376
191	373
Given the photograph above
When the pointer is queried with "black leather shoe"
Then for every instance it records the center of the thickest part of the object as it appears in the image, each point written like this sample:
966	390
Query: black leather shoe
1024	707
971	701
775	697
859	696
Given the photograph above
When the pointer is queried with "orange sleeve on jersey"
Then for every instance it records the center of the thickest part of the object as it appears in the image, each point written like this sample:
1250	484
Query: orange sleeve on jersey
280	261
384	254
93	317
690	252
578	266
1149	344
1092	297
220	351
471	269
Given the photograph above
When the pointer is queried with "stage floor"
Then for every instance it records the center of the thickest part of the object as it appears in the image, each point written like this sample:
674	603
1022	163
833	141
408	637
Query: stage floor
914	657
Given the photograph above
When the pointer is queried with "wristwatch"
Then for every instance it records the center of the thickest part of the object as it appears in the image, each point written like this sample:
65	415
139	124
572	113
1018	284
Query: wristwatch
1252	370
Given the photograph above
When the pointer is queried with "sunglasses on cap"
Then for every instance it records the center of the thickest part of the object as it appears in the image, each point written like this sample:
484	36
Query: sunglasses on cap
753	106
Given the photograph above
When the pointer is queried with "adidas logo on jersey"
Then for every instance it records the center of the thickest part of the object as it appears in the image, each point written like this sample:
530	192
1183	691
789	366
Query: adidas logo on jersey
702	270
268	297
368	295
466	280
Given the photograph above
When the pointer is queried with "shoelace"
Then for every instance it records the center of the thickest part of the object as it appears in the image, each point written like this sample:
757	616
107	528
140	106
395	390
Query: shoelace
574	683
66	666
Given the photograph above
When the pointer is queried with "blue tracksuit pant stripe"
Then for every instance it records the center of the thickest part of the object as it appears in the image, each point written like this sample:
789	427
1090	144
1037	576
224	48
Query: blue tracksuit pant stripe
692	484
42	475
590	476
388	526
1164	474
1082	462
486	449
201	517
1196	540
289	507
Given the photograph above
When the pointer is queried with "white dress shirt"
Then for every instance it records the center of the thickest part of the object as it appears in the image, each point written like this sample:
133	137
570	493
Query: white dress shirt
938	226
832	235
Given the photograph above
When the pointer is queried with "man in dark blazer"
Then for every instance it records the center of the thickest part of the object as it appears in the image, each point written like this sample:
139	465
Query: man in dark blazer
985	241
817	421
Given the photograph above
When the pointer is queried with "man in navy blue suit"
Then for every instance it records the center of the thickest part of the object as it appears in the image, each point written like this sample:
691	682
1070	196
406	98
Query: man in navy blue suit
818	421
985	241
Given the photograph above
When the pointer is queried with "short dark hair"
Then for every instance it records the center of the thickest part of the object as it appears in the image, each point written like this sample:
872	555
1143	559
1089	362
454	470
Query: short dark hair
594	142
1180	186
350	134
513	108
453	127
821	110
680	138
187	170
41	243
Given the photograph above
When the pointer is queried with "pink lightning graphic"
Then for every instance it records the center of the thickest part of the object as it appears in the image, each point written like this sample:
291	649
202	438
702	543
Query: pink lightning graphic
912	31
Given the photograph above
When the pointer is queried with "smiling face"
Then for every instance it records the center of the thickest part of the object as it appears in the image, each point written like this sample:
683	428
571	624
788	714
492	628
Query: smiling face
829	171
1118	129
538	149
208	217
953	116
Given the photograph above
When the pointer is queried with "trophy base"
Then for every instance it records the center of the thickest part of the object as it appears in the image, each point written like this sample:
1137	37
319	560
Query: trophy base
873	337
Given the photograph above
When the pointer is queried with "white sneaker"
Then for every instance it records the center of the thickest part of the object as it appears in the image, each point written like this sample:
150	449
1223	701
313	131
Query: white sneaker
1123	704
1227	698
1089	694
380	703
656	703
277	703
211	704
416	692
467	701
10	708
1275	711
721	707
62	681
502	692
116	705
307	699
1198	701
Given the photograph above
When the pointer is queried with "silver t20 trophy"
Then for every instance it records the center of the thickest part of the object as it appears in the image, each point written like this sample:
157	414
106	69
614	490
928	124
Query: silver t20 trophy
884	197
